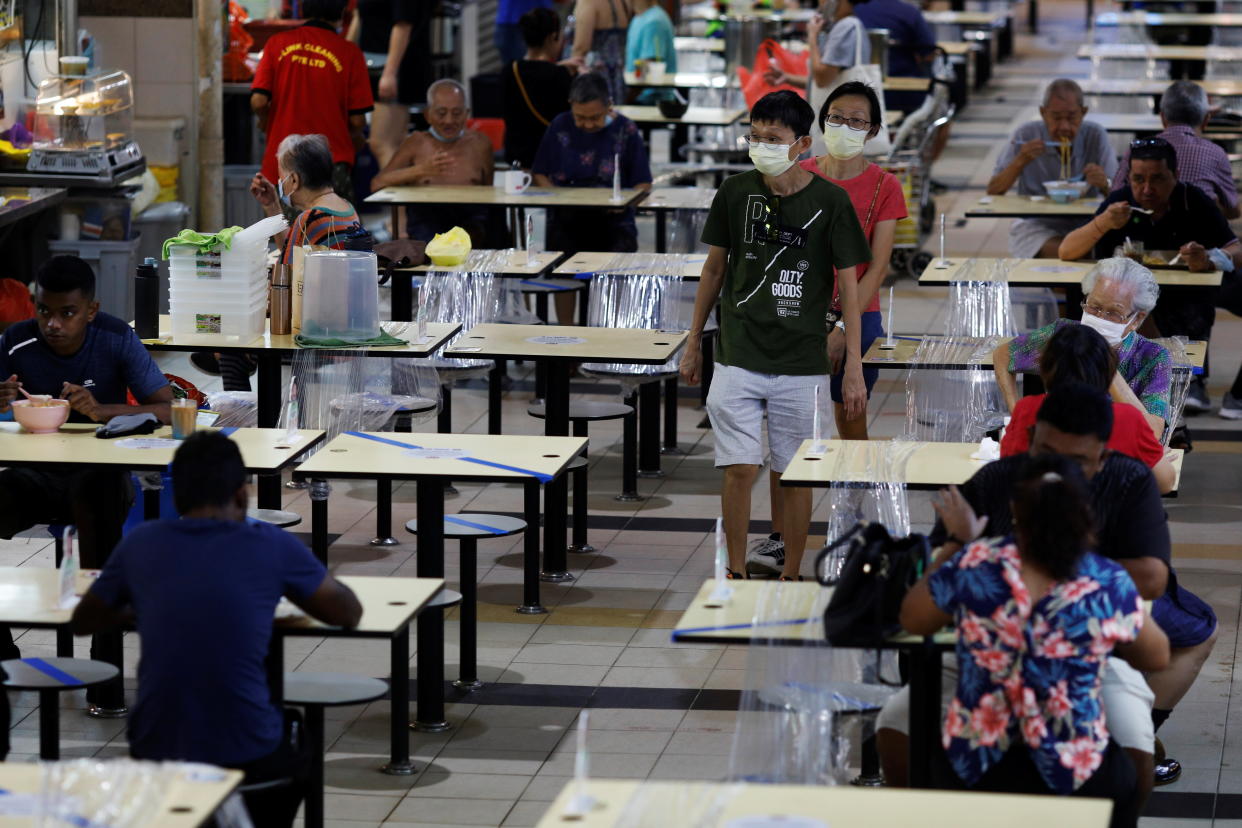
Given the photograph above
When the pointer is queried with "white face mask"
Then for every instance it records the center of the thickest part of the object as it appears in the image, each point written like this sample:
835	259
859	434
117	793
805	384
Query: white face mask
842	142
771	159
1113	332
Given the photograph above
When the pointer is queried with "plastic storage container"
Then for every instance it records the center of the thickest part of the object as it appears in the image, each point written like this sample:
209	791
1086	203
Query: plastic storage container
340	295
113	263
220	318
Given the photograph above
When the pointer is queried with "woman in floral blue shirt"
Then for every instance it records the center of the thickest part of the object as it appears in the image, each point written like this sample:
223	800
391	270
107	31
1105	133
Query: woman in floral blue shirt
1037	615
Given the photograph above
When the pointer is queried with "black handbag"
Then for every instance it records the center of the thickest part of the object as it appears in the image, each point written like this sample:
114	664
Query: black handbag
877	572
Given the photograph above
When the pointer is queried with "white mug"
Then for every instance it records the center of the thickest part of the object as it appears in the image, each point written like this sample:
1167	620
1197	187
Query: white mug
516	181
655	71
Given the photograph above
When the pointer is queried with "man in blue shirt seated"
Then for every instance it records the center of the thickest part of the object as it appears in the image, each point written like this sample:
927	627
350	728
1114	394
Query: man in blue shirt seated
203	592
72	351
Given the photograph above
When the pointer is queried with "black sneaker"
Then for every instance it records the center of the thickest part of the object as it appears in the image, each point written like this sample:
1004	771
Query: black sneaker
1197	401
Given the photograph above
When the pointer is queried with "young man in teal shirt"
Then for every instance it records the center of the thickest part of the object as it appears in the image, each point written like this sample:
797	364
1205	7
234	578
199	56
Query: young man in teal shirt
775	236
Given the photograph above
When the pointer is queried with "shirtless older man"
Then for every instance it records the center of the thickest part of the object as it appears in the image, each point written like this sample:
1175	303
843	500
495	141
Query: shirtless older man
446	154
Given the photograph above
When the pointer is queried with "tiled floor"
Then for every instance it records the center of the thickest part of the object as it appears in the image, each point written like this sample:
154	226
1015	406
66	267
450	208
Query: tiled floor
666	711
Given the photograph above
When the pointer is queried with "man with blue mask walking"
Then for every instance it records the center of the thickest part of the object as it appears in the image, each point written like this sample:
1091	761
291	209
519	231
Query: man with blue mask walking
775	236
449	153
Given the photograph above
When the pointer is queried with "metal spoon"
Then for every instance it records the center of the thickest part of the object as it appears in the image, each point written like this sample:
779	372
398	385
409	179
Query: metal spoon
1142	210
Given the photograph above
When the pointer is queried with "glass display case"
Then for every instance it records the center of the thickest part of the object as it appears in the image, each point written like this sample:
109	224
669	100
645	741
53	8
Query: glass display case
91	112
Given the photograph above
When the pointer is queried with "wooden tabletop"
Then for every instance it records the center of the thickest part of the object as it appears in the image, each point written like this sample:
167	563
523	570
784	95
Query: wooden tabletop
1019	206
841	806
30	595
487	196
1137	18
437	333
968	18
951	47
625	345
482	457
965	354
191	795
1050	273
698	44
1219	86
681	80
861	463
497	262
696	115
678	198
793	613
1127	122
1150	51
585	265
904	84
262	449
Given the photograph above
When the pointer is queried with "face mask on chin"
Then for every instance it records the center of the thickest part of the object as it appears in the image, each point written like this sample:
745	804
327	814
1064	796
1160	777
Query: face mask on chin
842	142
435	133
771	159
1113	332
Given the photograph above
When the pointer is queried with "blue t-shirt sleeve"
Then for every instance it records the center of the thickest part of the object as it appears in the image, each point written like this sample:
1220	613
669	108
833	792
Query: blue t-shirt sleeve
924	38
111	586
142	375
301	572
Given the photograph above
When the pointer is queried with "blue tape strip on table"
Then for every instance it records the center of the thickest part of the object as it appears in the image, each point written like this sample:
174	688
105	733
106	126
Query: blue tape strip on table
55	672
492	529
228	431
749	625
548	285
540	476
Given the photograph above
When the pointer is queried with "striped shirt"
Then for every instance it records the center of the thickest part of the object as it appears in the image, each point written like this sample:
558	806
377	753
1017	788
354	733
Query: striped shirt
1199	162
319	226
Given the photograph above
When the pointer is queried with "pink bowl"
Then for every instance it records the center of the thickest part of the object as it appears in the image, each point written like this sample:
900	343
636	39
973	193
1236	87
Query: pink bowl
43	419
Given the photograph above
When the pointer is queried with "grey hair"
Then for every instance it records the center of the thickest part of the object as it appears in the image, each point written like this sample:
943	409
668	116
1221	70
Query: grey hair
310	156
1063	88
588	87
1184	102
447	83
1124	271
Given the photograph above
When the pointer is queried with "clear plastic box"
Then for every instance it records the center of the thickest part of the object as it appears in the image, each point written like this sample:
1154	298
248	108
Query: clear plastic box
239	322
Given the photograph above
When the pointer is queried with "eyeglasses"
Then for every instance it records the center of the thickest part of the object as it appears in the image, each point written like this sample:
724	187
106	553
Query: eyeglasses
856	124
1104	313
756	141
1157	143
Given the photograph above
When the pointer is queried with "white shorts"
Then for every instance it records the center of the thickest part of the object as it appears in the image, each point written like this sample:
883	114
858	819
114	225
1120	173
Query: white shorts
736	402
1127	705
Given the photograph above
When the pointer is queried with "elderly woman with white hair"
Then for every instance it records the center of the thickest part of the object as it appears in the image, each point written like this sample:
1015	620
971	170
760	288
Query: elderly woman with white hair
1120	293
305	186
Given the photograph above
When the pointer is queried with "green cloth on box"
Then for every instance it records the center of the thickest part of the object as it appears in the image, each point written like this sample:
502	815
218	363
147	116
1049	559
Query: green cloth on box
205	242
384	339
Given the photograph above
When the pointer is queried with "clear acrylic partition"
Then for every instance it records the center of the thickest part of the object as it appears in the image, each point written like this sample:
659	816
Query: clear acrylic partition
873	494
471	298
805	710
353	392
1179	384
119	793
638	291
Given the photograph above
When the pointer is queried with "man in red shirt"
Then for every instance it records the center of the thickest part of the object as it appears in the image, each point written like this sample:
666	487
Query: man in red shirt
312	80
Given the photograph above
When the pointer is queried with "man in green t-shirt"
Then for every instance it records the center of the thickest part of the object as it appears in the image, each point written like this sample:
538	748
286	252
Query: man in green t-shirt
775	235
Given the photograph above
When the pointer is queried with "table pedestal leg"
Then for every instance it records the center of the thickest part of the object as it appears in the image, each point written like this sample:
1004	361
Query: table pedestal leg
430	716
268	398
402	296
661	231
494	389
383	515
313	816
530	553
399	763
670	417
924	712
649	430
319	519
49	725
629	453
556	495
468	671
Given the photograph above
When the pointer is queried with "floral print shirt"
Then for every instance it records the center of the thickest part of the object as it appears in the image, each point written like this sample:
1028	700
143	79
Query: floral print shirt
1030	672
1146	365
